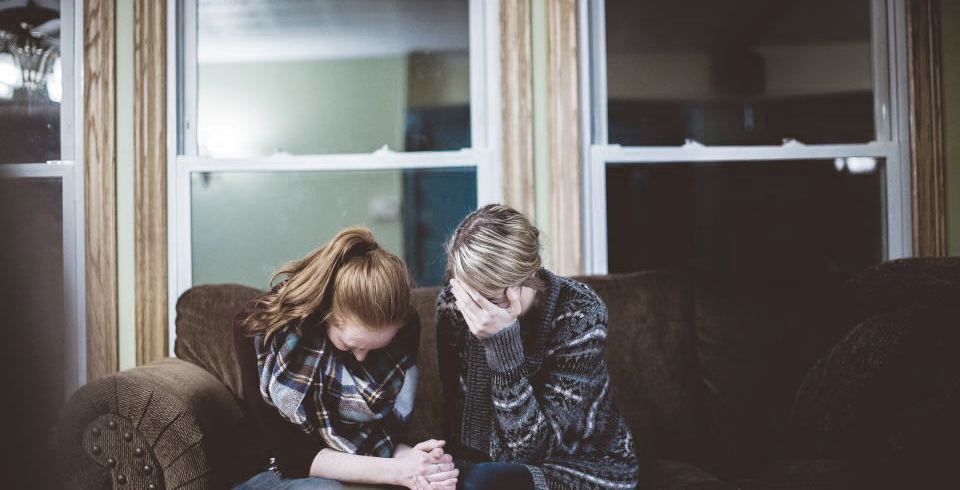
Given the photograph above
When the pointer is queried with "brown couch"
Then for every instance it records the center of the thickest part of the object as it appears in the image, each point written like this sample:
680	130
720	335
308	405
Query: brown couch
706	372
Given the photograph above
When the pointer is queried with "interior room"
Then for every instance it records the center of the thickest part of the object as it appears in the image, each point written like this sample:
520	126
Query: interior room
765	195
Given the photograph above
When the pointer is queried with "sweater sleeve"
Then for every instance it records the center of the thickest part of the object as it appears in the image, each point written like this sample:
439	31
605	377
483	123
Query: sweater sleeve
292	449
554	413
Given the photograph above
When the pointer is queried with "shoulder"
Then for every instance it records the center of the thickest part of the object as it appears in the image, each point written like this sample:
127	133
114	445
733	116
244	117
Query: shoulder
578	315
576	297
446	302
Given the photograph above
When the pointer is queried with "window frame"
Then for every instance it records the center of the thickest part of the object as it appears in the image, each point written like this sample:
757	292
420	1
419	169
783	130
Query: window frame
889	64
484	153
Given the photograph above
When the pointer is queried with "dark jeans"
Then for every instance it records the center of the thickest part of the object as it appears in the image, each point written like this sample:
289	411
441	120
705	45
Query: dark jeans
495	476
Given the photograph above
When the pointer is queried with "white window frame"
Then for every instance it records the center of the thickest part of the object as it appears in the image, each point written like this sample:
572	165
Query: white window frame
183	158
69	170
890	109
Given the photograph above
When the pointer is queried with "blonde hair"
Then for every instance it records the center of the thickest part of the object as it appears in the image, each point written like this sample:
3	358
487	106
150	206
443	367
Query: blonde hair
493	248
350	277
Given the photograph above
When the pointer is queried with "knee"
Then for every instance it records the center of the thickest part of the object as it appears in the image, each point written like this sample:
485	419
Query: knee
474	479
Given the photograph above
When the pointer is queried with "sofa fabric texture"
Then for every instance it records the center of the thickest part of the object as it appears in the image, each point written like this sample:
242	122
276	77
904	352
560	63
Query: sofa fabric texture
888	393
161	424
851	384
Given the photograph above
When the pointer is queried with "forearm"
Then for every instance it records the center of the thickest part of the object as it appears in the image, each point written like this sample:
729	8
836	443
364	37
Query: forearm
574	380
345	467
522	425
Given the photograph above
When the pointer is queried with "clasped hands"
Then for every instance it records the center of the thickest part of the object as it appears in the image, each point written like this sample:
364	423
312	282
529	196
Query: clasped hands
426	466
484	316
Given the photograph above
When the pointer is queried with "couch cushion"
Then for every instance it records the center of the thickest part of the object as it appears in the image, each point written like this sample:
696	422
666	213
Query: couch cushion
754	343
205	317
903	282
652	363
887	396
681	475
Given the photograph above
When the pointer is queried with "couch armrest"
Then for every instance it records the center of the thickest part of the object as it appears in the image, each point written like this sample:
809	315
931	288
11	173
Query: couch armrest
163	425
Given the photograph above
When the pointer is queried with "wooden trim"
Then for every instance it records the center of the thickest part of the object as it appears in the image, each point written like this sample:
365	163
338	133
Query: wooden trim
150	179
99	189
517	106
563	122
927	163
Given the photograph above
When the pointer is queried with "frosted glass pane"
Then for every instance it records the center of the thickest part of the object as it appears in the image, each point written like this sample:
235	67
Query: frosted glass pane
246	224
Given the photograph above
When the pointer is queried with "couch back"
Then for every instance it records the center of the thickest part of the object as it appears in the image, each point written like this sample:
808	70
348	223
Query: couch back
697	367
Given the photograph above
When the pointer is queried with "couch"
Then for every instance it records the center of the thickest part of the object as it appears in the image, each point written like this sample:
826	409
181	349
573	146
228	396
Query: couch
725	384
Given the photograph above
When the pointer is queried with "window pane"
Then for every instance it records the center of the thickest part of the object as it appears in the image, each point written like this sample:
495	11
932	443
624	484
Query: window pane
778	220
743	72
30	83
34	313
332	77
246	224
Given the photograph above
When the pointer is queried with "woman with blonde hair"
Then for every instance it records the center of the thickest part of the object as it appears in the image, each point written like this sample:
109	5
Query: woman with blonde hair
521	354
327	360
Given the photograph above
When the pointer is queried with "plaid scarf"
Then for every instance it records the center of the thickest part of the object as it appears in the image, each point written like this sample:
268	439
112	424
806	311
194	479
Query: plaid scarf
352	407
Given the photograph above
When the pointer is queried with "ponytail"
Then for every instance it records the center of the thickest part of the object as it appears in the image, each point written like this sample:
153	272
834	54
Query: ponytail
348	277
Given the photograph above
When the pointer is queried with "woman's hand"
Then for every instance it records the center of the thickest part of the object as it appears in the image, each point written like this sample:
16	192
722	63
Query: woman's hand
426	467
483	317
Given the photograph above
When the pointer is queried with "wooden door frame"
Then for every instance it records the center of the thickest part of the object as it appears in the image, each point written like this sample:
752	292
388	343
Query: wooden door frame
150	178
99	187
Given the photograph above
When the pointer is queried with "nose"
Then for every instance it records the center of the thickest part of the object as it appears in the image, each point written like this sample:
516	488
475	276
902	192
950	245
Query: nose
360	354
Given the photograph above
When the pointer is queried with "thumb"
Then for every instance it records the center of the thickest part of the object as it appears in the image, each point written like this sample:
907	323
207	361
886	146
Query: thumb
422	481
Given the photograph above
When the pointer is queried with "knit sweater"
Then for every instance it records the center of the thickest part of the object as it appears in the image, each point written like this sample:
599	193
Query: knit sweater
537	392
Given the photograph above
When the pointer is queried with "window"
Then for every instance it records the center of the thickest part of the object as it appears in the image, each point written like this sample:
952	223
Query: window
746	139
41	191
295	119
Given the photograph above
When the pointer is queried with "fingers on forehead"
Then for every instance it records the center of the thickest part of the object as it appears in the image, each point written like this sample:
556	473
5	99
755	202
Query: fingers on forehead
472	294
459	292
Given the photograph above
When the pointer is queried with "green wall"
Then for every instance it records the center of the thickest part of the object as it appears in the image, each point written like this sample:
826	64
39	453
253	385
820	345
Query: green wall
950	45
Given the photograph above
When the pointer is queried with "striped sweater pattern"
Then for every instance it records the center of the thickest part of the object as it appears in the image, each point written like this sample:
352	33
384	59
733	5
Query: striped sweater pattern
538	392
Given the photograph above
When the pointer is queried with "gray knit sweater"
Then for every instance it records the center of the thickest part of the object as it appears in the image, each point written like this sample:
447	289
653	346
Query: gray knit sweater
538	392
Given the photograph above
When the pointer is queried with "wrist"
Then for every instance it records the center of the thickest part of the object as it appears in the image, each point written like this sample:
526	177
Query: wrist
394	471
504	349
400	450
